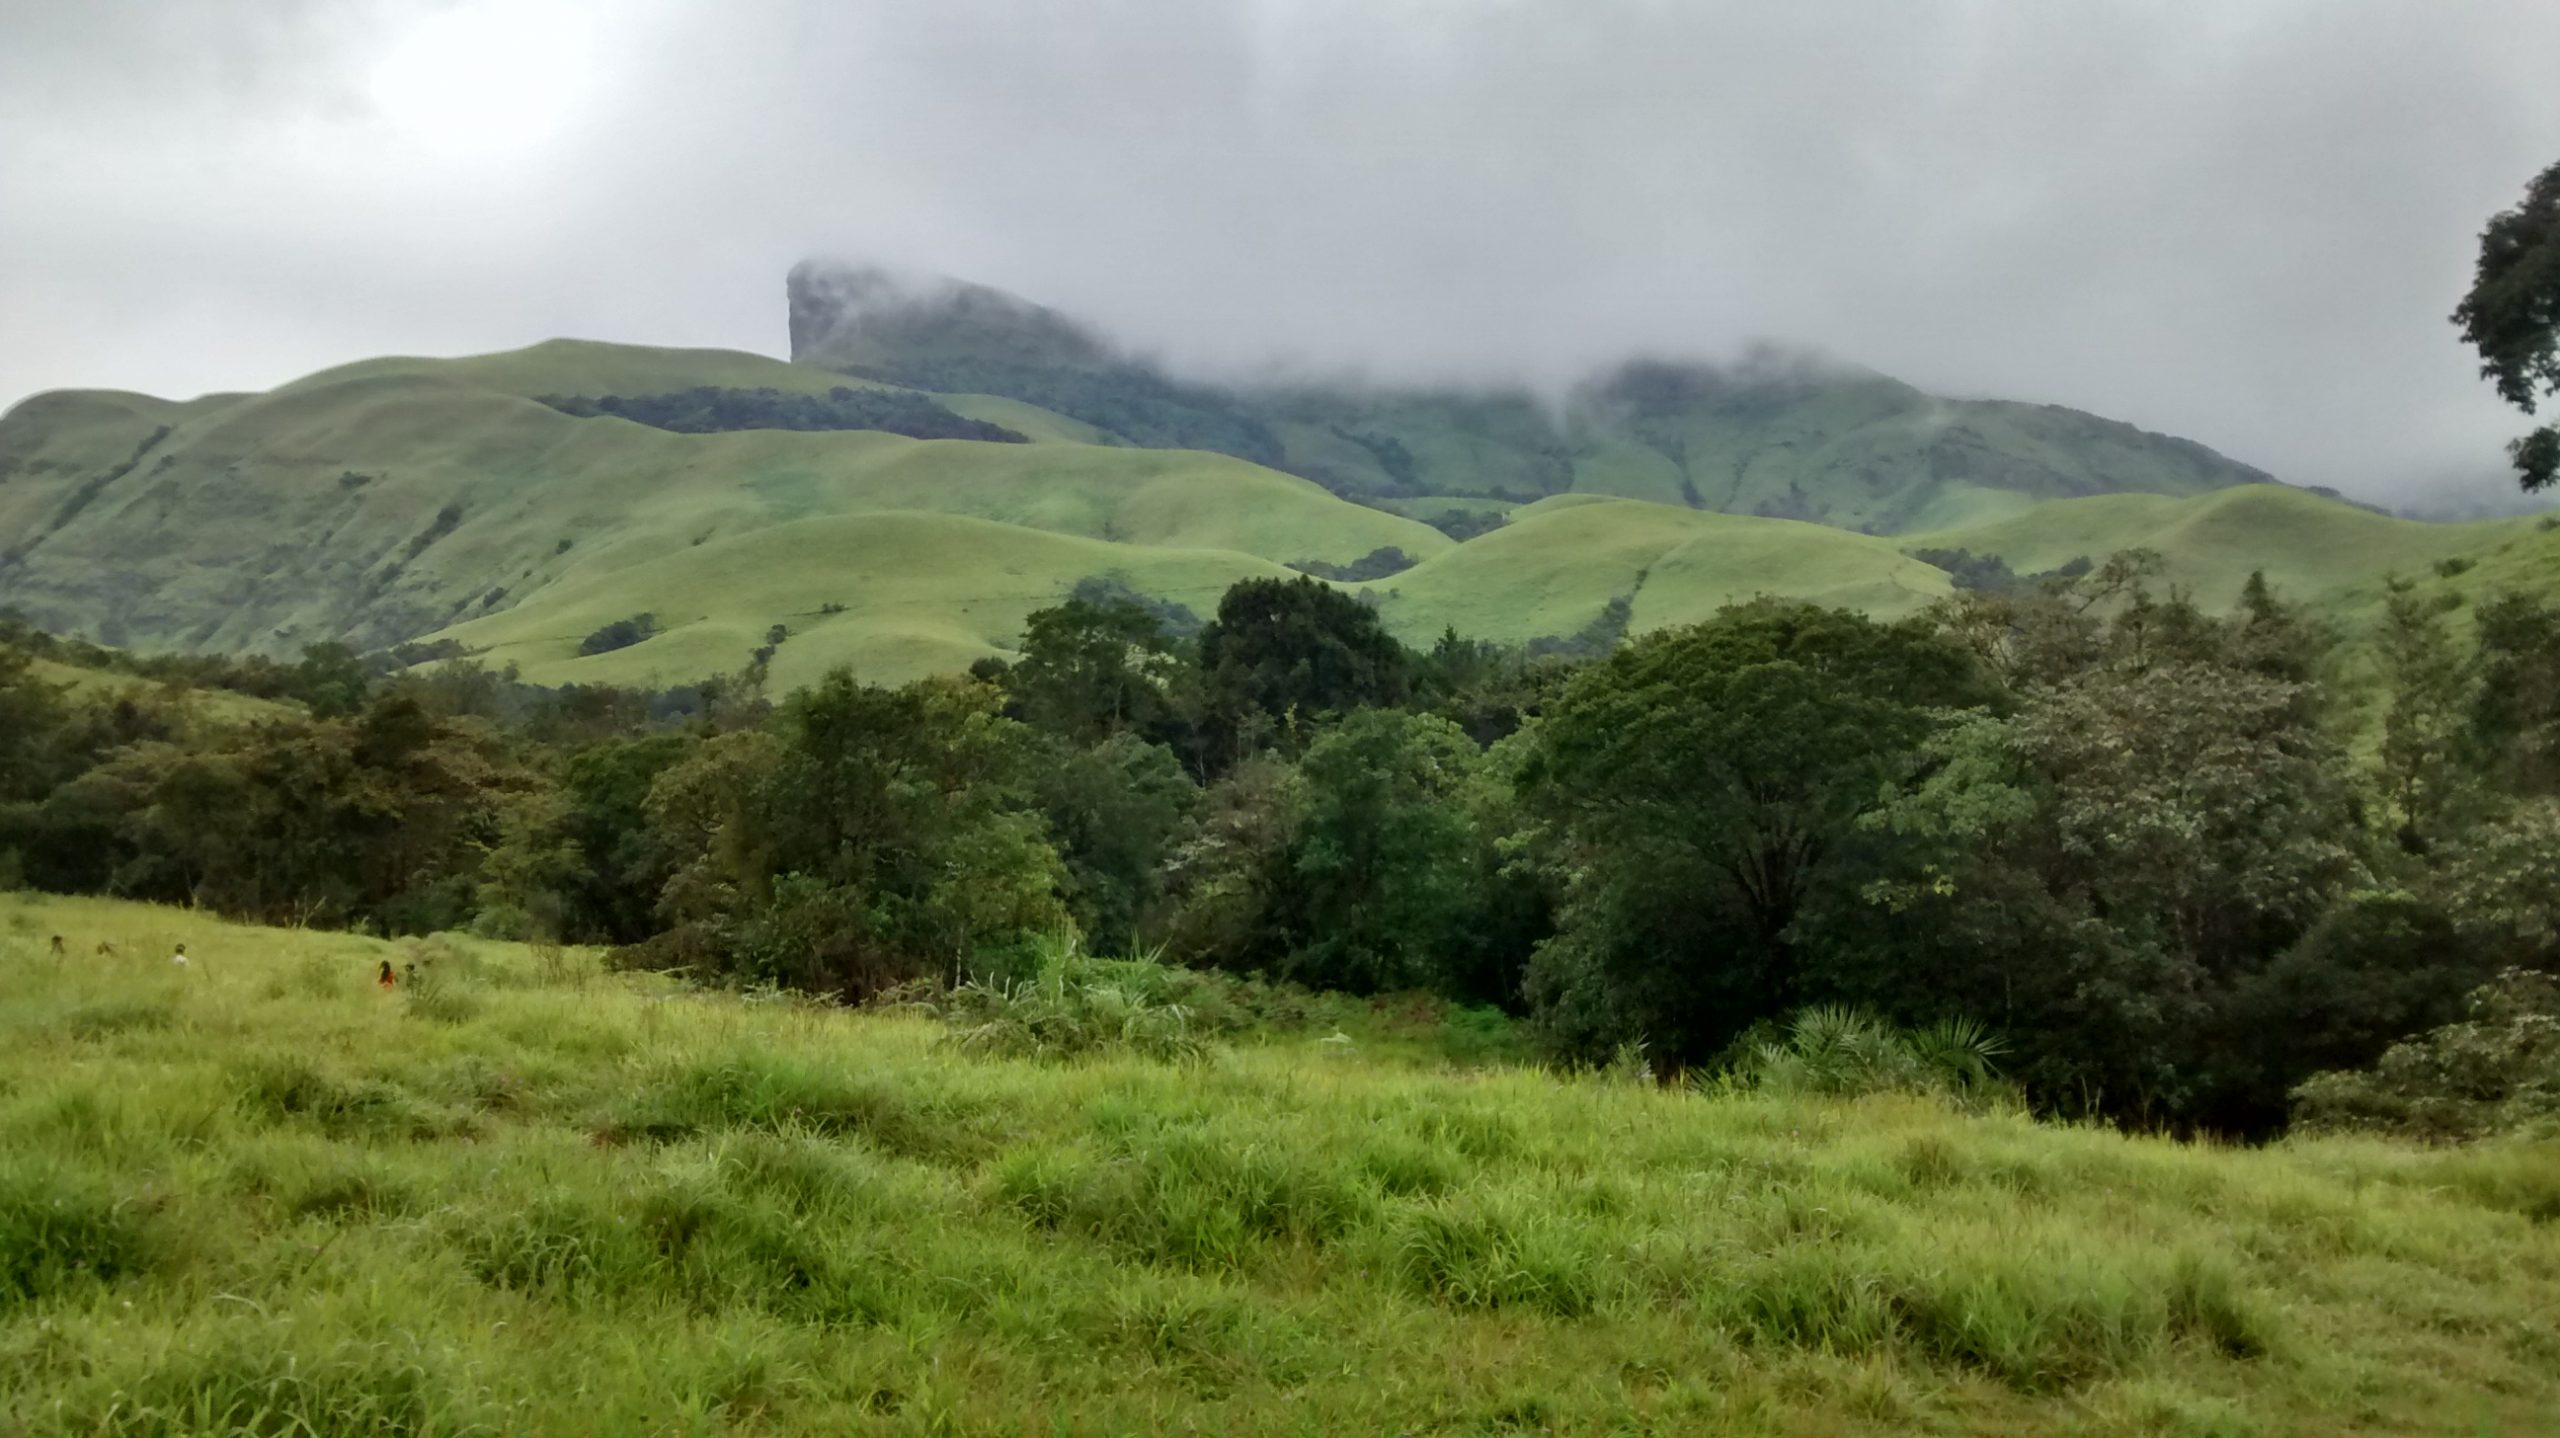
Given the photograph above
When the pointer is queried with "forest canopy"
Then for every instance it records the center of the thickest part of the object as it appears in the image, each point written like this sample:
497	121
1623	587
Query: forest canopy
708	410
2170	859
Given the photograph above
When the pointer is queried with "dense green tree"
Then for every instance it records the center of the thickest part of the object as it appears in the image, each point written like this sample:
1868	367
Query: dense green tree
2499	880
32	717
2373	969
2099	867
1387	863
1487	689
2427	782
1696	790
576	859
1115	809
1231	876
872	836
331	680
1092	669
2495	1072
1284	653
2511	315
378	818
2515	717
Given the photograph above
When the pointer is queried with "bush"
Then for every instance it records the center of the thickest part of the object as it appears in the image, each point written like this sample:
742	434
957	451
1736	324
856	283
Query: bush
1465	524
1376	564
2496	1073
620	634
1073	1005
1842	1052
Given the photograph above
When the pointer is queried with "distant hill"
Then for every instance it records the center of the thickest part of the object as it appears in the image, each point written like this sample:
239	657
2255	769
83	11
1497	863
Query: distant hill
460	502
1778	435
387	500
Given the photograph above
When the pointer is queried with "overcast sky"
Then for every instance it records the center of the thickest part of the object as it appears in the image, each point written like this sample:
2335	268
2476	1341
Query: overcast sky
2239	220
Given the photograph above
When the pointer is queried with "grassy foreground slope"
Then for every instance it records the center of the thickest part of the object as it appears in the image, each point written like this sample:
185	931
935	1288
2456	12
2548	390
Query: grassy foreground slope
259	1195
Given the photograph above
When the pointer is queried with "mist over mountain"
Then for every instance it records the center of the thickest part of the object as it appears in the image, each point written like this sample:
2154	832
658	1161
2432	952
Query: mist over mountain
943	458
1778	432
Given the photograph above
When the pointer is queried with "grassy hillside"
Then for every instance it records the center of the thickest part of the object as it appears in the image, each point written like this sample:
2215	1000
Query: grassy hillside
1560	561
389	499
2309	546
920	594
589	367
259	1195
218	705
400	498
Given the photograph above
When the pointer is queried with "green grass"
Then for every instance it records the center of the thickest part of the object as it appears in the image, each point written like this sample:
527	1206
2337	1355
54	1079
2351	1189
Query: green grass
260	1196
589	367
1560	560
1031	420
2310	547
221	706
396	497
922	594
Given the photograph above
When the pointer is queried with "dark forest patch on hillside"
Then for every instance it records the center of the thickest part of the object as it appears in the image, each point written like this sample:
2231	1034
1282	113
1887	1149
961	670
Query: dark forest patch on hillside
706	409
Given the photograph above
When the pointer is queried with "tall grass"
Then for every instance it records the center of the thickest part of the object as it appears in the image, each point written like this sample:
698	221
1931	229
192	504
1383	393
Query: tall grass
263	1196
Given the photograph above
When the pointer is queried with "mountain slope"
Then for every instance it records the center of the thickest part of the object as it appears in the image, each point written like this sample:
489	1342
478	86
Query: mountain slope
384	500
1561	561
2308	546
895	595
403	499
1776	435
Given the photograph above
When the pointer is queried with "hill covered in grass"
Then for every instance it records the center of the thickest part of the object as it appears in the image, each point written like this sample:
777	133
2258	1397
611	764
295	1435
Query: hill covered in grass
405	500
1562	562
1777	434
518	1194
390	499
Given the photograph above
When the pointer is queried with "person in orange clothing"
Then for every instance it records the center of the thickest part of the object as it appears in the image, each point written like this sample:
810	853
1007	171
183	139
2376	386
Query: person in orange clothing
385	979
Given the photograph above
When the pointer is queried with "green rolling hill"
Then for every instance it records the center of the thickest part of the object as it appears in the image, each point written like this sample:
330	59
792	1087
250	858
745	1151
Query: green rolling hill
399	500
388	500
919	594
2338	556
1560	562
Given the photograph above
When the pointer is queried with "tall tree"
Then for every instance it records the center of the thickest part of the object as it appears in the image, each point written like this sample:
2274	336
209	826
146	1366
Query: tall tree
1386	860
1284	652
1090	670
2512	317
1697	790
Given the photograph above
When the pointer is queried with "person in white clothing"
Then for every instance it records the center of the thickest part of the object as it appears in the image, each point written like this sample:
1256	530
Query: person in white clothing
180	957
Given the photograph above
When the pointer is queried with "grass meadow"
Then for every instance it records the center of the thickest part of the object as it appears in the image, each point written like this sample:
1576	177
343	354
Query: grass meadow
523	1195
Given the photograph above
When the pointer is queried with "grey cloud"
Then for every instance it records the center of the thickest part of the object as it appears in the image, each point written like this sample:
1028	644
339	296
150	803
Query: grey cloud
2241	220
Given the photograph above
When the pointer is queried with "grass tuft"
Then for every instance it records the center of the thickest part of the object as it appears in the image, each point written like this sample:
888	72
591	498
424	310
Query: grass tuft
61	1230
